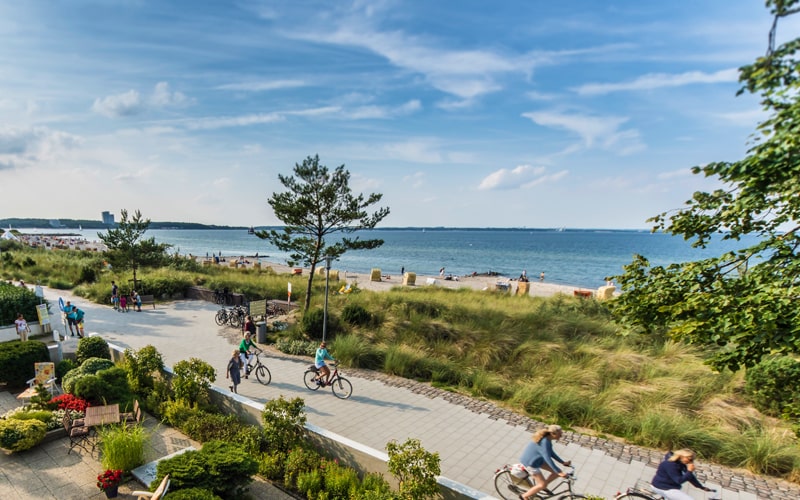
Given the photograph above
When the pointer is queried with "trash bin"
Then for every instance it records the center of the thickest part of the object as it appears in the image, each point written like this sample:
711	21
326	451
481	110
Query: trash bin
261	332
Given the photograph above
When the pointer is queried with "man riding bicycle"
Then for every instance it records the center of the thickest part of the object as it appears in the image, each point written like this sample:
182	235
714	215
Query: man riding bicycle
319	362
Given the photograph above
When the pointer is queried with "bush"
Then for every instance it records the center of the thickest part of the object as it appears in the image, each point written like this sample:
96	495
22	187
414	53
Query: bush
106	386
415	469
88	275
122	447
284	423
203	426
92	347
356	315
88	367
772	386
142	367
20	435
221	467
176	413
297	347
63	367
16	299
300	460
312	324
43	416
70	402
17	359
193	494
192	381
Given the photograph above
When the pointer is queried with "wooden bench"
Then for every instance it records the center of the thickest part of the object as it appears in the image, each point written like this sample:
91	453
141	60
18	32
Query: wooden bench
148	299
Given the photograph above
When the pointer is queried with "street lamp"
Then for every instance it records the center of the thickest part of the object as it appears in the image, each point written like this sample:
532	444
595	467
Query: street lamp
328	260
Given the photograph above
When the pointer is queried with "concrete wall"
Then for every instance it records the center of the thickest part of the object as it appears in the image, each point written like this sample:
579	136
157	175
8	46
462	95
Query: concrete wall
351	453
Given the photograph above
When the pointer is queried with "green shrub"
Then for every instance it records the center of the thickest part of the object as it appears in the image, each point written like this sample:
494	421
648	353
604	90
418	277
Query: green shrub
21	435
192	381
272	465
297	347
301	459
122	447
415	469
16	299
772	386
221	467
107	386
284	423
17	359
192	493
373	487
176	413
339	480
63	367
88	275
309	483
356	315
356	351
312	322
43	416
88	367
143	366
92	347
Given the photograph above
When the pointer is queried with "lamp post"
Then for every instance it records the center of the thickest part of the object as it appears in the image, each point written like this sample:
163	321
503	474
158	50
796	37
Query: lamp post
328	260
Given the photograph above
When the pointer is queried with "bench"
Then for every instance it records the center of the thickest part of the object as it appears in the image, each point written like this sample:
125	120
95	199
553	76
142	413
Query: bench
148	299
297	271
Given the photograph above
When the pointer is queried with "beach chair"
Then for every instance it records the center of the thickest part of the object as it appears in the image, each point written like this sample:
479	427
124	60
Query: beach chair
44	374
155	495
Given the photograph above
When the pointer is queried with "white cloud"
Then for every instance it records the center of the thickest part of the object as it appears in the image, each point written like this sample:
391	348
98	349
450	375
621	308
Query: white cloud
264	85
162	97
520	176
26	146
126	104
749	118
660	80
595	131
233	121
416	180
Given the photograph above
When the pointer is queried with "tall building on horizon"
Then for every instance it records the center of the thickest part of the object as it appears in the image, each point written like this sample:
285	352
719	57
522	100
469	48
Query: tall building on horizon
108	218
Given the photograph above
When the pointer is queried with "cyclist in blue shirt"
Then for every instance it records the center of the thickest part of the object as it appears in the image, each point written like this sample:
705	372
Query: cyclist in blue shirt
676	469
539	453
319	362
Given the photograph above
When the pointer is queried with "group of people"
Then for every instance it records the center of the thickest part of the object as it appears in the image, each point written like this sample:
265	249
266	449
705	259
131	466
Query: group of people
74	319
239	362
676	469
123	303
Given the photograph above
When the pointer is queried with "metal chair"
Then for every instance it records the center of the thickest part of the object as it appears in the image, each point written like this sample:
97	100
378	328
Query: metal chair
79	435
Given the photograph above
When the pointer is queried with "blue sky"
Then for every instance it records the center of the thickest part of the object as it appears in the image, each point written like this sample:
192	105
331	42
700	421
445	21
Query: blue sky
585	114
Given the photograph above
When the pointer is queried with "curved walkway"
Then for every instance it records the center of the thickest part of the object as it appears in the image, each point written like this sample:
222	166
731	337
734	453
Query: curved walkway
472	437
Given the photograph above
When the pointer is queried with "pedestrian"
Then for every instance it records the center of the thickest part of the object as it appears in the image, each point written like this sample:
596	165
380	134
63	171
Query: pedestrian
539	454
137	300
233	371
541	276
249	326
70	320
441	273
114	296
22	327
77	315
123	303
403	271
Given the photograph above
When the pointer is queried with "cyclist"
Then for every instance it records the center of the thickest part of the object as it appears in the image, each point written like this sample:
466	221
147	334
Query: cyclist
319	362
676	468
539	453
244	352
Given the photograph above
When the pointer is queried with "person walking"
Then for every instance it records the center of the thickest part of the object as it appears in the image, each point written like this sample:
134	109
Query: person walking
77	316
115	296
233	371
22	327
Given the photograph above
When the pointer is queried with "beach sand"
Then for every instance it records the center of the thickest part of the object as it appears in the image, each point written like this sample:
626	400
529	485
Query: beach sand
479	282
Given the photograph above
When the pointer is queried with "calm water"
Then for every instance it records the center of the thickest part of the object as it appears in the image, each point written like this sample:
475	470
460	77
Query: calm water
572	257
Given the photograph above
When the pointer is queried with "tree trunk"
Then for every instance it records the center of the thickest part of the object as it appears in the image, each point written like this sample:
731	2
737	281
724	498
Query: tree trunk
308	288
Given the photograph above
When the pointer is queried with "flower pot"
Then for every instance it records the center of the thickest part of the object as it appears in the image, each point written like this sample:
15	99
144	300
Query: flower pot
112	491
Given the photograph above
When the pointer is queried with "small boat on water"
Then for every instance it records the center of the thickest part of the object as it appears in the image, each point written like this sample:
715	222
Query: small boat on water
252	230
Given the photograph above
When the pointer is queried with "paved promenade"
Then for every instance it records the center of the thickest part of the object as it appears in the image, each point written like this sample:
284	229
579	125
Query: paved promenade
472	437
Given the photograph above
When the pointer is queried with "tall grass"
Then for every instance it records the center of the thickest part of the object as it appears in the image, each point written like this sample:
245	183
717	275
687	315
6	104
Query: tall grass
122	447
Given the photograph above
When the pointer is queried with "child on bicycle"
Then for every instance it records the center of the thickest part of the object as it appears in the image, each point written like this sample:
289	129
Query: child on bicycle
676	469
319	362
244	352
539	453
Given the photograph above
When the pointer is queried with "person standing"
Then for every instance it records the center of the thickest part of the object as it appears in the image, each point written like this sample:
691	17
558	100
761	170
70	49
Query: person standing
114	295
77	315
403	271
249	326
123	303
70	319
233	371
22	327
137	300
541	276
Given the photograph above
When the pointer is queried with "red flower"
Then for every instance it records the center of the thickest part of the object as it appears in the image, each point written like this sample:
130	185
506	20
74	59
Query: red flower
109	478
70	402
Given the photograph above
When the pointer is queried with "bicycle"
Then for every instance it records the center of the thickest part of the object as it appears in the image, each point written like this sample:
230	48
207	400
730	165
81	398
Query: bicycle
511	481
262	372
236	316
340	386
642	490
221	317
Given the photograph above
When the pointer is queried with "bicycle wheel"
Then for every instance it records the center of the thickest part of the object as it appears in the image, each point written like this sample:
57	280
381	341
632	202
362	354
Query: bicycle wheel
342	388
508	488
309	379
263	375
221	318
235	320
631	496
571	496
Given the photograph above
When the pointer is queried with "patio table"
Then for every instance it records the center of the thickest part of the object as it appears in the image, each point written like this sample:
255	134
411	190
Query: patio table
101	415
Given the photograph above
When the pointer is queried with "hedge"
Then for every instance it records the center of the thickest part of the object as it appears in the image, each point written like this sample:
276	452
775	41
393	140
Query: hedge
16	299
21	435
17	359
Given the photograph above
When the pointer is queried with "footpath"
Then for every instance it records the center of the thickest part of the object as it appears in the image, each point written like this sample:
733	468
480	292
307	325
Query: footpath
472	437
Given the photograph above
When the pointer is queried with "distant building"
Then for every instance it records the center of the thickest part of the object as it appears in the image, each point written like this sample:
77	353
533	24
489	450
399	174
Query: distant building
108	218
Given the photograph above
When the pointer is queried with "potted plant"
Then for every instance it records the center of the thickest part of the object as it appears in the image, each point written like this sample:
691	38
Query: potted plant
109	481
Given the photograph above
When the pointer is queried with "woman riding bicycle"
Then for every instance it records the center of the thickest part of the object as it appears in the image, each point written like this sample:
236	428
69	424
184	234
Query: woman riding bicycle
244	351
319	362
539	453
676	469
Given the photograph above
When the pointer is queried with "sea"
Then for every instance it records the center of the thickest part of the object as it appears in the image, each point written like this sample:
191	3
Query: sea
573	257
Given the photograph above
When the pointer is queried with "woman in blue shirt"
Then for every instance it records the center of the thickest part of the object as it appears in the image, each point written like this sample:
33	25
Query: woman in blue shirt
539	453
319	362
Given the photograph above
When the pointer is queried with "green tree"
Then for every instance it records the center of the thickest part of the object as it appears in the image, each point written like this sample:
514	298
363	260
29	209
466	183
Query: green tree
415	469
320	203
127	248
743	303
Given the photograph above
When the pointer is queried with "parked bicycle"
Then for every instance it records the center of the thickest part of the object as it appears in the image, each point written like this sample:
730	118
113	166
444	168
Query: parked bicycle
642	490
262	372
340	386
221	317
511	481
236	316
221	296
